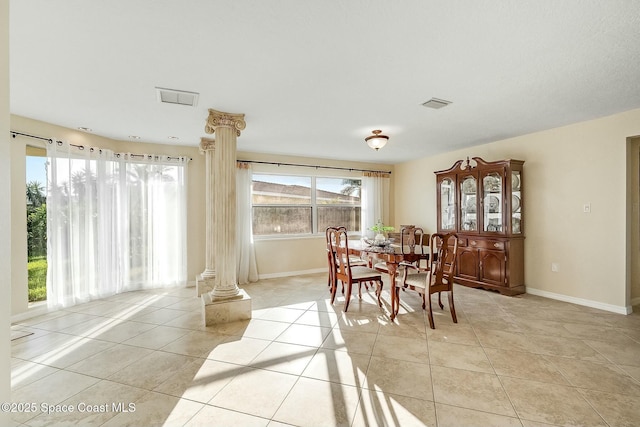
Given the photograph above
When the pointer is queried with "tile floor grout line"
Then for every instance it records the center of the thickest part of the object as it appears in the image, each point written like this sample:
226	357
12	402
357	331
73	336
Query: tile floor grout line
354	313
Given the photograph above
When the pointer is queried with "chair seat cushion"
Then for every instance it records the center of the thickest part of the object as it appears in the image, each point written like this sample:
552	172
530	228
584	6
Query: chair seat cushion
358	273
381	266
354	260
418	280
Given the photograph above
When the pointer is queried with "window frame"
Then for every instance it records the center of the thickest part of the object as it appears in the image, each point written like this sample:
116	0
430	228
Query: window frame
313	205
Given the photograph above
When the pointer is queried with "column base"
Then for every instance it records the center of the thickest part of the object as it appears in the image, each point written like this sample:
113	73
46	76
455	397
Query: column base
227	310
203	285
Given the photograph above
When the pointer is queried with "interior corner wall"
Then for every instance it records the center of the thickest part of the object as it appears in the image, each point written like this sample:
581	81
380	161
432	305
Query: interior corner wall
5	214
195	193
565	168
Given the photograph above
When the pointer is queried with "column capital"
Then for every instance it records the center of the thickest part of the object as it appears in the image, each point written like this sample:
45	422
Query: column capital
218	119
207	144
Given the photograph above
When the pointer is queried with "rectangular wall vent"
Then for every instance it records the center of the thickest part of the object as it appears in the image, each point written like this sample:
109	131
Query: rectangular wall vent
436	103
180	97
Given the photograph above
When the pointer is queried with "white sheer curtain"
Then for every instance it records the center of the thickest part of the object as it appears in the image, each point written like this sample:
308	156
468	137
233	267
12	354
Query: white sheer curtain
375	204
114	223
246	255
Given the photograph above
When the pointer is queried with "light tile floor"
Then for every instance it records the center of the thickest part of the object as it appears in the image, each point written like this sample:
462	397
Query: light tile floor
510	361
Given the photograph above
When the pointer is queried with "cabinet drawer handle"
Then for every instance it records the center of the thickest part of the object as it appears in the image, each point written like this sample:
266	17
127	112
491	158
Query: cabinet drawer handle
473	242
497	245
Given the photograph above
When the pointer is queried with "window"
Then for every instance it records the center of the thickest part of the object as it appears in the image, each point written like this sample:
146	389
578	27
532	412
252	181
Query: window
118	222
338	203
286	204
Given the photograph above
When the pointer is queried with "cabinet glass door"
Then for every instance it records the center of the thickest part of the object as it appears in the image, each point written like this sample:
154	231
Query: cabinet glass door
492	202
447	204
516	202
468	204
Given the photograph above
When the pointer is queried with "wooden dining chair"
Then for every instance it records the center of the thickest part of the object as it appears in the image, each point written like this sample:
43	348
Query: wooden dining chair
331	260
411	239
346	273
436	278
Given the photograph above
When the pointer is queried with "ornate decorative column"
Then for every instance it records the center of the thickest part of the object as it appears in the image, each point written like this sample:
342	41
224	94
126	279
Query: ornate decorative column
207	147
226	302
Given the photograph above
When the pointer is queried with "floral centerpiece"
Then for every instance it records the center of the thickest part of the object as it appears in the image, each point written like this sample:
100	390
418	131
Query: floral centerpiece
380	229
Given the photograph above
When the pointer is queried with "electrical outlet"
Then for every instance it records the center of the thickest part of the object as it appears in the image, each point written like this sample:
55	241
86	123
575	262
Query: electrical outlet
555	267
586	208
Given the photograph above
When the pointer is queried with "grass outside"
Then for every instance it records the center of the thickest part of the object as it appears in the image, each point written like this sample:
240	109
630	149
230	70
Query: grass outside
37	268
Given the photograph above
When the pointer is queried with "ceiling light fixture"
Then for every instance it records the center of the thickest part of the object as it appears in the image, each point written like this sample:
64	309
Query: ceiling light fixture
134	137
83	129
173	137
377	140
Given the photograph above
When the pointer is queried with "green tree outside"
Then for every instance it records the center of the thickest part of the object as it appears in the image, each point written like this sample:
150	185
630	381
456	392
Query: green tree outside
36	241
352	187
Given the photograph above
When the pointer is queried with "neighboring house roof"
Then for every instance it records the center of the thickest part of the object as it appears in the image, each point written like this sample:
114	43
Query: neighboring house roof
269	188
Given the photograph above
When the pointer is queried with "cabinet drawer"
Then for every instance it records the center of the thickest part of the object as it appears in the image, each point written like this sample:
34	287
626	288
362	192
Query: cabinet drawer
486	244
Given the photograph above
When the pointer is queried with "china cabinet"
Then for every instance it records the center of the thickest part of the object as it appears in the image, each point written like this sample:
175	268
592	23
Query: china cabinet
482	202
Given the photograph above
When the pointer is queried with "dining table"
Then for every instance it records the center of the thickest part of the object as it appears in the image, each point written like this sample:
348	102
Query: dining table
393	254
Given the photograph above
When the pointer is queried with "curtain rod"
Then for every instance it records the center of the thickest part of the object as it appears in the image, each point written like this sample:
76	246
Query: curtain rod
313	166
81	147
14	134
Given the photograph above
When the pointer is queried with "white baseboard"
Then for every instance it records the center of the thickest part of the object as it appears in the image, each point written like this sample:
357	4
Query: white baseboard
581	301
31	312
292	273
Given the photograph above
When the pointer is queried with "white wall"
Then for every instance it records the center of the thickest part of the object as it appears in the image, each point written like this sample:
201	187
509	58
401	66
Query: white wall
5	214
564	169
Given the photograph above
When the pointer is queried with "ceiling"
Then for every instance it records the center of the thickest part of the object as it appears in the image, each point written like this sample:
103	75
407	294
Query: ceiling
314	78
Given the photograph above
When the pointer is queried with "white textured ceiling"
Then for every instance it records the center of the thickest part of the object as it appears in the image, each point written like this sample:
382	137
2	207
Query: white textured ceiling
315	77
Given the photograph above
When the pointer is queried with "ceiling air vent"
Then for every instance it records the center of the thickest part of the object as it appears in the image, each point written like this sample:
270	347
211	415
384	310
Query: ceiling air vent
180	97
436	103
